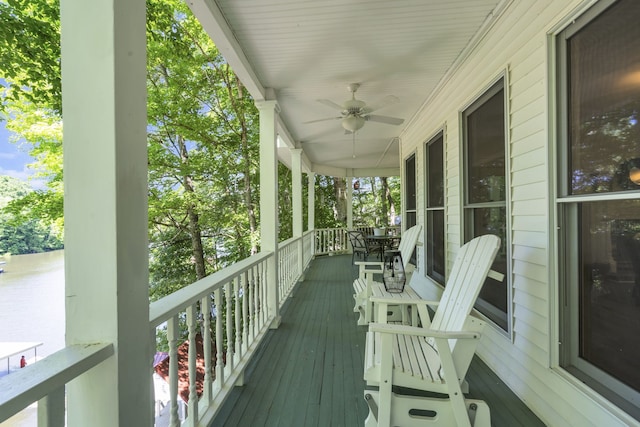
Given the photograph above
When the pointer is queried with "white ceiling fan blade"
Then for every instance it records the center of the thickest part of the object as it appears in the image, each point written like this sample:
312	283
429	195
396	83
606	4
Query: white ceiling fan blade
330	104
387	100
384	119
322	120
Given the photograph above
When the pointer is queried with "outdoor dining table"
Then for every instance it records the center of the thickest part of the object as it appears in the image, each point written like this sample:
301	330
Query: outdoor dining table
385	240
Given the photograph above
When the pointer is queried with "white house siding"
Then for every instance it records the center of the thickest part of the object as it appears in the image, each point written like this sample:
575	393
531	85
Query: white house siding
517	46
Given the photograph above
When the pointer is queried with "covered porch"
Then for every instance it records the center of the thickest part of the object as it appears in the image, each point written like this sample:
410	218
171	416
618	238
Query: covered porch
402	78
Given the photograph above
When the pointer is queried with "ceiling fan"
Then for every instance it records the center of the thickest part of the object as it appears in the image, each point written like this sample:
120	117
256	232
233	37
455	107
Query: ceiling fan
354	113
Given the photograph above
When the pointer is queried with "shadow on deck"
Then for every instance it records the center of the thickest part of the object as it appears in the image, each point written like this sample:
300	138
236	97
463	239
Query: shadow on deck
309	371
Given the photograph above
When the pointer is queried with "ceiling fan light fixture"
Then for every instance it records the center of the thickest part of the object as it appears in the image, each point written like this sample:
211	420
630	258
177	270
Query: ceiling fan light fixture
353	123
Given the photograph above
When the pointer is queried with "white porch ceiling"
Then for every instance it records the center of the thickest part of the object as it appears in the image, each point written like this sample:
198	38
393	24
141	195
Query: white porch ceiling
297	52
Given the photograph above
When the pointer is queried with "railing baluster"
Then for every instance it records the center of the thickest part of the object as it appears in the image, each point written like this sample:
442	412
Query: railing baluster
51	409
252	319
193	358
220	378
228	291
245	311
172	336
206	336
264	300
237	310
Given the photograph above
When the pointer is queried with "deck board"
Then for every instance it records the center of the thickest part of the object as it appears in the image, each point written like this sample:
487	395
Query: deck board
309	371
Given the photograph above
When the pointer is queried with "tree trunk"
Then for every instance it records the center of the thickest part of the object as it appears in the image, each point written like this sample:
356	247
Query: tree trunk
388	208
246	165
193	219
340	192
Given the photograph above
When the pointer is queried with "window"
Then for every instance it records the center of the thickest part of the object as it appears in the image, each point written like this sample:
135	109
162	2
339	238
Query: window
410	213
410	191
485	198
434	251
599	200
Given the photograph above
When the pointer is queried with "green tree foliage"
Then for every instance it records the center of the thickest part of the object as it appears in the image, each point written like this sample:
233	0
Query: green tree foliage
30	52
22	237
202	153
32	102
377	201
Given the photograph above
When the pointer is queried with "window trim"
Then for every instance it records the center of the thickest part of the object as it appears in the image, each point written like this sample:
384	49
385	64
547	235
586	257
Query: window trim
405	211
480	99
440	133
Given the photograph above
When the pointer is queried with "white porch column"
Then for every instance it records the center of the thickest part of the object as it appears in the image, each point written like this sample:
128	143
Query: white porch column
105	180
296	191
311	200
349	180
269	200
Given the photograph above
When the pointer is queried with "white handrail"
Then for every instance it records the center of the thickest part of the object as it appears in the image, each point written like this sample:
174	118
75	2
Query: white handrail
46	380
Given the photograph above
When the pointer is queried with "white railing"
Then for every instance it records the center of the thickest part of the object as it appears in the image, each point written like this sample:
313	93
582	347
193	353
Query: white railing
288	267
308	238
229	308
331	241
44	382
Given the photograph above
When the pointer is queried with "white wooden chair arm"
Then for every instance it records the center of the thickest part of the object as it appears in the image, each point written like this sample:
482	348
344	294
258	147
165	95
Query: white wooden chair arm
421	332
495	275
366	264
394	301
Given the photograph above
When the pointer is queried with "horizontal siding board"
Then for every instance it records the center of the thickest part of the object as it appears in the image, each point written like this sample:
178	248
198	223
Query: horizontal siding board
533	174
530	254
529	191
529	207
528	143
528	64
530	239
528	127
528	160
537	305
535	320
535	272
534	337
533	92
536	106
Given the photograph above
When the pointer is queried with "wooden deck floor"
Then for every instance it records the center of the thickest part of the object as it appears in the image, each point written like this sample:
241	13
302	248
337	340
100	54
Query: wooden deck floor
309	370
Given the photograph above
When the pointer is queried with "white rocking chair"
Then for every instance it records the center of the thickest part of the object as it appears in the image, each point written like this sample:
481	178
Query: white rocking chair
433	357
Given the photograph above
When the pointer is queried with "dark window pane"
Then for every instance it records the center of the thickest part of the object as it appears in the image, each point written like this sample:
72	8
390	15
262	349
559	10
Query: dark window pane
493	296
435	245
410	180
411	220
609	287
604	102
435	174
485	151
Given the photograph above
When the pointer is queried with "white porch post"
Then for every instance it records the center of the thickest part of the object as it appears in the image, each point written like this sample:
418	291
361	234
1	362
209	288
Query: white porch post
269	200
349	180
105	180
311	200
296	191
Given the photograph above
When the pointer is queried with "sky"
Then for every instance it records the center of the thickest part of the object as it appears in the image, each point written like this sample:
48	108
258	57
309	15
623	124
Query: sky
13	160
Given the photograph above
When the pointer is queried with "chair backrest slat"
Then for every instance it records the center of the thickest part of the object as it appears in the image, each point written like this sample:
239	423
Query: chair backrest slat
467	276
408	242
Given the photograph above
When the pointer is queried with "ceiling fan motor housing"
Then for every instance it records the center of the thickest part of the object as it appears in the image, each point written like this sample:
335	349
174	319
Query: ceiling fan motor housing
353	123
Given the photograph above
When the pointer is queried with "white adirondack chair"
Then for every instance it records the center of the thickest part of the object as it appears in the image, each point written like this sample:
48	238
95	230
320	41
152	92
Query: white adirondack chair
362	285
433	357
